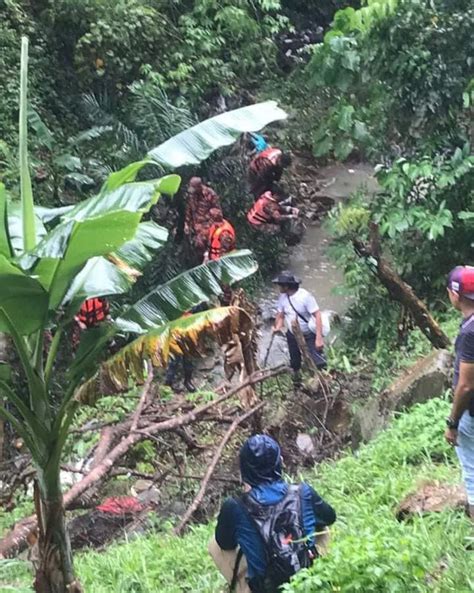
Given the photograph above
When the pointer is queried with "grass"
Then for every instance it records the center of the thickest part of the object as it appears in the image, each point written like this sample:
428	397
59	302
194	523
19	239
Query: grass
371	552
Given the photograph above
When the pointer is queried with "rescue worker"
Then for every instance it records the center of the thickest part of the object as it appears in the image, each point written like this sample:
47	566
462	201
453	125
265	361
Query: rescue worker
184	360
266	168
201	199
269	212
92	313
257	143
221	236
460	423
297	305
247	550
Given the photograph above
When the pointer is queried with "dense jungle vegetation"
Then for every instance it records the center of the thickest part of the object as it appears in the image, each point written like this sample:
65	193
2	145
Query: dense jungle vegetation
389	82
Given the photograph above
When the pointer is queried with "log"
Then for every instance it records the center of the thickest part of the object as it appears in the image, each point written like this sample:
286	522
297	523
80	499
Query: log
399	290
16	540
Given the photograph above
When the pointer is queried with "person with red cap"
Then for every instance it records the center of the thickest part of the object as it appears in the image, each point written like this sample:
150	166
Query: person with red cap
221	238
201	199
460	423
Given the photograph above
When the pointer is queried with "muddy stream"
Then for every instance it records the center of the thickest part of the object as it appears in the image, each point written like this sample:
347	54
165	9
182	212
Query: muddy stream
309	260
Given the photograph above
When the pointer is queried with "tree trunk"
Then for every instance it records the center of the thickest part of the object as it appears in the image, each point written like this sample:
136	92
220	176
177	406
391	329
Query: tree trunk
54	565
399	290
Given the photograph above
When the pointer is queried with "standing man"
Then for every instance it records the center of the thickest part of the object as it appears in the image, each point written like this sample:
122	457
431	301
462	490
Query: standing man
201	199
460	424
269	533
221	239
297	305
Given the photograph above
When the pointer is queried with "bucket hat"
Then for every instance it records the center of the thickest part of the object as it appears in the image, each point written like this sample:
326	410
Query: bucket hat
286	277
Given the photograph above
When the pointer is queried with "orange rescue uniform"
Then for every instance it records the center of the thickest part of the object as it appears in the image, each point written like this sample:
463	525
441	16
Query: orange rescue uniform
221	239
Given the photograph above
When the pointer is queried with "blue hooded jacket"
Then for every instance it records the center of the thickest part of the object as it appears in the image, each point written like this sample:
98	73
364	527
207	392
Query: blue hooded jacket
261	468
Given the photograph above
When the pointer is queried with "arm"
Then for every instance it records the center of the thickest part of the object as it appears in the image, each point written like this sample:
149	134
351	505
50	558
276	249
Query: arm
324	513
463	393
225	529
279	319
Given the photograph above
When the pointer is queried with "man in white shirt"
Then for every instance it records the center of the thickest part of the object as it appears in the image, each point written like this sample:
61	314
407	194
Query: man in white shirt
297	304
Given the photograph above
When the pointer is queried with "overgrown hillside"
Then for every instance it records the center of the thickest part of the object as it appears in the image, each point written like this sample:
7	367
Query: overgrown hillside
371	550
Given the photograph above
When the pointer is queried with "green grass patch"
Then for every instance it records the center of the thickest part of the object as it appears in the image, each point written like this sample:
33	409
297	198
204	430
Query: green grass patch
371	551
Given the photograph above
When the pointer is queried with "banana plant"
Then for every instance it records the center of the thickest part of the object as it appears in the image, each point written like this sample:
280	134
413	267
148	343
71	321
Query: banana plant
50	261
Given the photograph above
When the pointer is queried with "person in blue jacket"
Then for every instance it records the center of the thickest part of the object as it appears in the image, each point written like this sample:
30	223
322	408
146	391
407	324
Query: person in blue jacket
261	471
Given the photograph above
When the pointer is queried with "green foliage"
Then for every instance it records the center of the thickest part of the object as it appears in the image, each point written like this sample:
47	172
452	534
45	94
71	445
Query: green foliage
371	550
396	72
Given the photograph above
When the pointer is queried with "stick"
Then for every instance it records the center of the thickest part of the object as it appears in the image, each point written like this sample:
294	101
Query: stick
212	466
268	350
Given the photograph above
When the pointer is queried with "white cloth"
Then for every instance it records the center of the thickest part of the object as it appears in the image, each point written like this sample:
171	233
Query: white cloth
303	302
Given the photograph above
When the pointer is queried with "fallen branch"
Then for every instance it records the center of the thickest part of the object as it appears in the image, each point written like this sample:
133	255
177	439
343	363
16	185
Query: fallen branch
15	541
399	290
212	466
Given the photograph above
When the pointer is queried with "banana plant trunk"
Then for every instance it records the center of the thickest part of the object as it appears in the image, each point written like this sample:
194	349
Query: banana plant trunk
54	564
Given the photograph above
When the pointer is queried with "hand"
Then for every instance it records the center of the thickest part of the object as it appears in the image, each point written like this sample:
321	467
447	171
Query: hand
319	343
451	435
186	229
295	211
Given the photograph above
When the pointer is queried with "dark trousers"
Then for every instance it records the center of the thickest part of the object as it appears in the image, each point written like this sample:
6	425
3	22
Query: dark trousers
173	366
295	354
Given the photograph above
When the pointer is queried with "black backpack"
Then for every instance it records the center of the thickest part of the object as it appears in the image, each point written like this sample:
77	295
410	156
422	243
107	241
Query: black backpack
281	528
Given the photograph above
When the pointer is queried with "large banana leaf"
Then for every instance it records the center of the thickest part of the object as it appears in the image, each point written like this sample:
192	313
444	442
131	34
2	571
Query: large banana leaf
182	336
139	251
168	301
118	271
22	299
99	277
15	227
197	143
95	227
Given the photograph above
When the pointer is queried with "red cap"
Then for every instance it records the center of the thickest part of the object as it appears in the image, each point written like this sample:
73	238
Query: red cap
461	280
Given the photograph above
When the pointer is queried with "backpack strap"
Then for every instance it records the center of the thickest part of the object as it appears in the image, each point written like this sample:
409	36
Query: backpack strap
296	311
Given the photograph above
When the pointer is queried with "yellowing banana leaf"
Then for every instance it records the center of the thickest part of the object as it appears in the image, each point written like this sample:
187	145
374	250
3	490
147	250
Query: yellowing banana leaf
22	299
197	143
183	336
168	301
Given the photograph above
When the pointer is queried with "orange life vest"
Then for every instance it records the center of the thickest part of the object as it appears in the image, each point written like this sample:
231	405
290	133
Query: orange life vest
257	215
262	160
93	311
271	154
216	249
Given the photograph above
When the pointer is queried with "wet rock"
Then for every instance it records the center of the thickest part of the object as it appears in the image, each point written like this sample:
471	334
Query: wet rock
424	380
432	497
305	444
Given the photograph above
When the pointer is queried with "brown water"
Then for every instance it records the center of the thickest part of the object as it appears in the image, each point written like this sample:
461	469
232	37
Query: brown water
310	261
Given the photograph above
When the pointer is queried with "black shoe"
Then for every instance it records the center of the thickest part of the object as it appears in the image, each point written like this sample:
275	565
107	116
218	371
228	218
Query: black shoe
297	381
190	387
